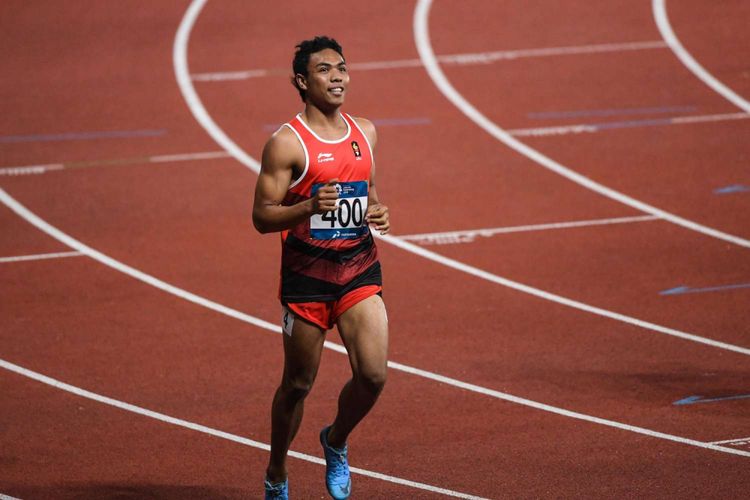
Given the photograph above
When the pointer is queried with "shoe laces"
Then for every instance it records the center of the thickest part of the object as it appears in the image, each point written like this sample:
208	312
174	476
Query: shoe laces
277	490
340	465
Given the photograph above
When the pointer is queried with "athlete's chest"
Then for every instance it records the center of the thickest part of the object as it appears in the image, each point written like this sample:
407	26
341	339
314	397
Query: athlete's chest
347	160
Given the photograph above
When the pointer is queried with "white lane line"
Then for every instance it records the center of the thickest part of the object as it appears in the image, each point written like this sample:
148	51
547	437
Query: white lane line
662	22
206	155
180	63
710	118
211	431
213	130
7	497
455	59
554	130
467	236
220	76
39	256
42	225
599	127
193	101
745	440
31	169
490	57
424	47
169	158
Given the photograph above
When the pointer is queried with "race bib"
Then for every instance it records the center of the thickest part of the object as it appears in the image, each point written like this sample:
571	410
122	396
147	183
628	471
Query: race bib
348	220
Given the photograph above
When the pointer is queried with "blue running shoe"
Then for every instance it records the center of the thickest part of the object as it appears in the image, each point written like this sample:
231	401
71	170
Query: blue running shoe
278	491
338	482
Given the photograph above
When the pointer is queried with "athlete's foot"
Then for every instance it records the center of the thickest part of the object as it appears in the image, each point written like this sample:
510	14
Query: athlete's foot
338	480
277	491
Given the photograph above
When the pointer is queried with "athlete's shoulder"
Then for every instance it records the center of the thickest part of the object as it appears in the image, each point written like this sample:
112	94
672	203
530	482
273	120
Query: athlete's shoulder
368	128
283	147
282	137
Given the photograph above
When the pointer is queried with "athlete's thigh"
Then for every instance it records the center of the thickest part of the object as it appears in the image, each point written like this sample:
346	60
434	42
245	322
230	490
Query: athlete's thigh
303	345
364	331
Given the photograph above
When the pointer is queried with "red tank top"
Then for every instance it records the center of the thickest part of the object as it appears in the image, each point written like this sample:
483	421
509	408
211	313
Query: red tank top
329	255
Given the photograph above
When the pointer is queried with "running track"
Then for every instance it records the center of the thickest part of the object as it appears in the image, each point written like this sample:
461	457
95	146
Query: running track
560	359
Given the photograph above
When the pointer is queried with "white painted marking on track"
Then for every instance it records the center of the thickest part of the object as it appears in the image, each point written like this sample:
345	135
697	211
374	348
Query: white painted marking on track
501	55
554	130
166	158
229	75
204	119
31	169
40	256
454	59
42	225
467	236
710	118
424	47
600	127
214	432
182	73
207	155
745	440
7	497
659	8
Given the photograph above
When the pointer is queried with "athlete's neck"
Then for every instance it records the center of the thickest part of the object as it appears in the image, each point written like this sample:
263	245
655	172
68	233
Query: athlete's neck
328	125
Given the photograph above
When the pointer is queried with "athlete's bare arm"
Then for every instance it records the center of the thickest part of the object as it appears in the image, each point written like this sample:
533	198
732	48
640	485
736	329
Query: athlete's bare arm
377	213
282	157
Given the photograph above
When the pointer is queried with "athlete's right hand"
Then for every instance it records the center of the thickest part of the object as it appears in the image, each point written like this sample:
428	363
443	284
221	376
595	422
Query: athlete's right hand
325	200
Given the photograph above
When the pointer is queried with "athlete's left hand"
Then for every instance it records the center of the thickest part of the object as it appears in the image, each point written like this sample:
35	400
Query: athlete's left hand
377	215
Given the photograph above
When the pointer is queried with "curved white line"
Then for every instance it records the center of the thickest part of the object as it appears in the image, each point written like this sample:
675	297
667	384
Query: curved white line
662	22
180	55
192	99
180	62
211	431
422	39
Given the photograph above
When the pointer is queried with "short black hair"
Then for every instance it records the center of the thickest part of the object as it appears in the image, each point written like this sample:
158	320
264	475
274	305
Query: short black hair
302	56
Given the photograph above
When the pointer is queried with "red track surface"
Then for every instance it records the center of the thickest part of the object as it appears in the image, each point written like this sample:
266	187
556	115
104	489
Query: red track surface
108	66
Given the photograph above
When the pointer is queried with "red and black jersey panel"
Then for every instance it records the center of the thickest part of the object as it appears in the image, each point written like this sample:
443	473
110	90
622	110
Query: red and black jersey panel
330	254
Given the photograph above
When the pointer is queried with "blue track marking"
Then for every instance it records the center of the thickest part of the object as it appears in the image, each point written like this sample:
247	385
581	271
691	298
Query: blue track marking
611	112
699	399
680	290
734	188
80	136
395	122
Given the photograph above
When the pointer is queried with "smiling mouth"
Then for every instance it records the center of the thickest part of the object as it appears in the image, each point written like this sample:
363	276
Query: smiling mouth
336	90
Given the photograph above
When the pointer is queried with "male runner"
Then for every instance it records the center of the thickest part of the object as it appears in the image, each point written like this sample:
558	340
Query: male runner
317	186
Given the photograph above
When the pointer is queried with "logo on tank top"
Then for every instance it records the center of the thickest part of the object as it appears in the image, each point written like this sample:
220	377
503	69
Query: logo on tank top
324	157
357	151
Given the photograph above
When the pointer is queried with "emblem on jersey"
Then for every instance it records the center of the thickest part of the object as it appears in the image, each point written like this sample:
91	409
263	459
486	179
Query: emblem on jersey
324	157
357	151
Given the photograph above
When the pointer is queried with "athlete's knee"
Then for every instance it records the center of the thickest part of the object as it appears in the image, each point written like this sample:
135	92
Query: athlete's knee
297	388
372	380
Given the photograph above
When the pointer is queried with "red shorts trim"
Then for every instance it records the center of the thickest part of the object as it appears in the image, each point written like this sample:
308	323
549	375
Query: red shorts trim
325	314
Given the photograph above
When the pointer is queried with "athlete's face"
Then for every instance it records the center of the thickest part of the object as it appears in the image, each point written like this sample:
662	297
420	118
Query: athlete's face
327	79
